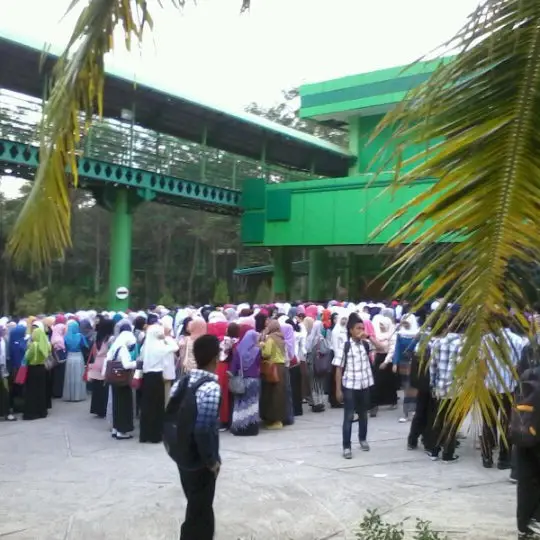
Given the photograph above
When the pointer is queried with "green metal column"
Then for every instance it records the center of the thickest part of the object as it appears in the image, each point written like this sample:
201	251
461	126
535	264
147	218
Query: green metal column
120	259
282	273
317	273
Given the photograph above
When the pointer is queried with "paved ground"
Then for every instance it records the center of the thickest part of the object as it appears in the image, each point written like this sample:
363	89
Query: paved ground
65	478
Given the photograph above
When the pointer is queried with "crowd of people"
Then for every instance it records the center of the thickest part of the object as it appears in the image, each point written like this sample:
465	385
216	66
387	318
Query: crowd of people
274	362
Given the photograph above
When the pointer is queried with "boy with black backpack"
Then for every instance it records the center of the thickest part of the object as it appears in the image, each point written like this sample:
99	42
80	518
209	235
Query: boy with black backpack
191	437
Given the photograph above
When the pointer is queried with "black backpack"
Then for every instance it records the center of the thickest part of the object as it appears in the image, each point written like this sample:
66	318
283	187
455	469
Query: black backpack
179	423
525	420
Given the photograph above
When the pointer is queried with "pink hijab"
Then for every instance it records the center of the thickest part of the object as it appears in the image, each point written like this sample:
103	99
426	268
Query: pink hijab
312	311
197	328
57	337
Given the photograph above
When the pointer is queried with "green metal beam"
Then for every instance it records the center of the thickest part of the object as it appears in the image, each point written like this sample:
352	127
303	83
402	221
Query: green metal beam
24	159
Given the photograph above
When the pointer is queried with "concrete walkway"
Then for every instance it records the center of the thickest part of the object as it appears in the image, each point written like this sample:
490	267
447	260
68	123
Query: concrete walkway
65	478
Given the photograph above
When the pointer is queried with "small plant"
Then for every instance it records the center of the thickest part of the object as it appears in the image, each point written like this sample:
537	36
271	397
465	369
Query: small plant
424	532
373	527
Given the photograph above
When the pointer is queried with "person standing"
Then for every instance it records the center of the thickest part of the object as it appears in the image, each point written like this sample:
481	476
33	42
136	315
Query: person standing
354	379
199	471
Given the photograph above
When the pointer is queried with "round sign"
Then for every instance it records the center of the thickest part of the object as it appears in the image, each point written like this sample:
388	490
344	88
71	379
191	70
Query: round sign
122	293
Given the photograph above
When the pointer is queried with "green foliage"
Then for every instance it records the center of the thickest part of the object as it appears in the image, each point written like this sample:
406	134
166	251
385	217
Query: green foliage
263	294
373	527
221	292
424	532
32	303
166	299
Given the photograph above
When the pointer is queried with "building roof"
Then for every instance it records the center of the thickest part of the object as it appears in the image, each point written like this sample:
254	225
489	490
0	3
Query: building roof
365	94
165	110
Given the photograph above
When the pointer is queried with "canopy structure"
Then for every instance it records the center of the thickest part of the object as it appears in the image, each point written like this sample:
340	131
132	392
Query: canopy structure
23	68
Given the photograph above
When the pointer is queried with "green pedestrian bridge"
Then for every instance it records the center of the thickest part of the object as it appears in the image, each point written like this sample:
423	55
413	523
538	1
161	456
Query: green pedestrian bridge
290	189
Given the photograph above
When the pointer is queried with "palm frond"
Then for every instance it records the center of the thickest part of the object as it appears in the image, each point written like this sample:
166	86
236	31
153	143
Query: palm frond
477	118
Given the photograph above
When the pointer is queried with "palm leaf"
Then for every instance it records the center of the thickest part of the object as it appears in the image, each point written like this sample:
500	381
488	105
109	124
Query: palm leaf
477	118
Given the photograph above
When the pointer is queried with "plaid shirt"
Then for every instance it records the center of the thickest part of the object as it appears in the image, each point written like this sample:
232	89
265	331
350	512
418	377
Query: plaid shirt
358	374
501	378
445	353
206	432
208	398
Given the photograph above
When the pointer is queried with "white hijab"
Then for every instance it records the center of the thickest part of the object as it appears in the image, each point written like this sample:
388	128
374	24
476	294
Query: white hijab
314	336
413	329
124	339
154	344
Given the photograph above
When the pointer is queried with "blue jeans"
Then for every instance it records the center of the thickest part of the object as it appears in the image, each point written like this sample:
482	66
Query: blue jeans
359	401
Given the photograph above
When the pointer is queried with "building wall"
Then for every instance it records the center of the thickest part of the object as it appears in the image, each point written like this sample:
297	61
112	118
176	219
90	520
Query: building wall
340	211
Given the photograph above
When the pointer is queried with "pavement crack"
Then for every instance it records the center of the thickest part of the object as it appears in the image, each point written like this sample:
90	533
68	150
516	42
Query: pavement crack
68	443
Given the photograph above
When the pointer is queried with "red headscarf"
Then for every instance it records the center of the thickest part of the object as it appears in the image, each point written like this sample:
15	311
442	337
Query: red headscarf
218	329
326	318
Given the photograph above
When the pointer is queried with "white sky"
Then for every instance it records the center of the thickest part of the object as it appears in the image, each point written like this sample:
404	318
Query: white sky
212	52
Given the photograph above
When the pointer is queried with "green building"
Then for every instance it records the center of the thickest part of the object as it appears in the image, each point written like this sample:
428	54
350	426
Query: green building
331	220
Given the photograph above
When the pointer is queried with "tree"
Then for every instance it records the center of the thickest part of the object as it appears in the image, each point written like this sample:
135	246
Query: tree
477	118
221	293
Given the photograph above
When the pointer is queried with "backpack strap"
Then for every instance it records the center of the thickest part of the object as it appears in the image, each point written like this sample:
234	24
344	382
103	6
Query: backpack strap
346	349
200	382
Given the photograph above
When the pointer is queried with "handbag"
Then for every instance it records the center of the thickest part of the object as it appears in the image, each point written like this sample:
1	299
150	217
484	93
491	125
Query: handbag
116	374
136	382
91	358
237	385
50	362
269	372
22	374
322	359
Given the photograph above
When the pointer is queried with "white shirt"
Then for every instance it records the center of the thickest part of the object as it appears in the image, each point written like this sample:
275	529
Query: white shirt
358	374
159	357
169	360
300	346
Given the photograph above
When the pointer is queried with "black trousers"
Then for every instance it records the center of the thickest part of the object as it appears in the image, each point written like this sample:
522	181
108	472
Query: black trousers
489	430
199	488
296	389
422	422
528	486
444	431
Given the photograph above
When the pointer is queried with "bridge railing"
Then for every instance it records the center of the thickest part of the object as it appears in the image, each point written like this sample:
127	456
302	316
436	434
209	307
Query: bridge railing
122	143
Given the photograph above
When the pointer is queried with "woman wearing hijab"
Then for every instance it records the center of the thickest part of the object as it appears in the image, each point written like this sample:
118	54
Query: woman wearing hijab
100	389
197	328
384	392
123	350
153	356
297	372
5	409
88	337
246	359
17	343
316	342
401	356
261	321
273	394
35	387
292	373
219	327
74	385
60	355
338	338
